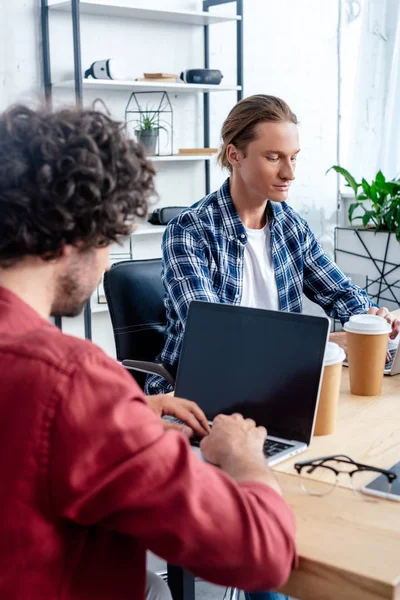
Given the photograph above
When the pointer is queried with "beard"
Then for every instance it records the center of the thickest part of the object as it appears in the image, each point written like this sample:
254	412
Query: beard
75	287
70	298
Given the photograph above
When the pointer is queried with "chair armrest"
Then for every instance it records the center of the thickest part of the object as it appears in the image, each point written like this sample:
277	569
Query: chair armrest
150	367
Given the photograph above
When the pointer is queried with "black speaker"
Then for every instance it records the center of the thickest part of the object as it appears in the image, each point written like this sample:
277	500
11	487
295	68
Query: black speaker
162	216
208	76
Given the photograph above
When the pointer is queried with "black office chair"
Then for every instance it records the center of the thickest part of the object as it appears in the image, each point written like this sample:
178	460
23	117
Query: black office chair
134	293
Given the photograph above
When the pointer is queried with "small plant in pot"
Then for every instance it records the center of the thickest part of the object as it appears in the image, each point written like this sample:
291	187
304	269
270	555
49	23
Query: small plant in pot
378	202
148	130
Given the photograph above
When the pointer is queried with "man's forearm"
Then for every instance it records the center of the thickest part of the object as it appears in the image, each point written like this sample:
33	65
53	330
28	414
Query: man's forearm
247	471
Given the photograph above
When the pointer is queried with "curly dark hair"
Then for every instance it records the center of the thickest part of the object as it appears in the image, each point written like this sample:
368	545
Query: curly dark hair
69	176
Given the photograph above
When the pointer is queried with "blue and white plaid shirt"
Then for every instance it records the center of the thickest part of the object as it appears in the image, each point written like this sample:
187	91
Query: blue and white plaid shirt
203	250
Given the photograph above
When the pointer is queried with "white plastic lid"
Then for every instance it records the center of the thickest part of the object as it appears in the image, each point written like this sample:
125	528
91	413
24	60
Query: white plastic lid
367	324
334	354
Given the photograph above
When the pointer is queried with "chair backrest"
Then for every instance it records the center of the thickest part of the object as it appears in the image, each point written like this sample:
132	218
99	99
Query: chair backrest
134	293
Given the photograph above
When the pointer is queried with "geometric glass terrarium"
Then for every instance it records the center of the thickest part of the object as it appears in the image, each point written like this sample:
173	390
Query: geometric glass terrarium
149	117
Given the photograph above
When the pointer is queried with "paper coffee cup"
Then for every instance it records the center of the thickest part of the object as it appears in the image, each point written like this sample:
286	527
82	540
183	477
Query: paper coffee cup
367	344
330	389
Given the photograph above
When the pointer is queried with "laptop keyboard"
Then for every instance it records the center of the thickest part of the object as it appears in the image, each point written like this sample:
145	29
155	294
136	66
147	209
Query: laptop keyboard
392	352
271	447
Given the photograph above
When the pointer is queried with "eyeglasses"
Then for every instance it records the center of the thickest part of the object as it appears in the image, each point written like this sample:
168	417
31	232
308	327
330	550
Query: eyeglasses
330	468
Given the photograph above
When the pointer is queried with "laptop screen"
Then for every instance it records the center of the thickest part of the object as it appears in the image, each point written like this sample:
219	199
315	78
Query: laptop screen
264	364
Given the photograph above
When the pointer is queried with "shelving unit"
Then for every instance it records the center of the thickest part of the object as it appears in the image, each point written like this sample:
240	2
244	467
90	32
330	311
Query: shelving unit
127	9
143	86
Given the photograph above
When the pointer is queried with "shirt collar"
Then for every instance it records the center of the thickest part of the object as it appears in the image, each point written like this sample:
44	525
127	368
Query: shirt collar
230	218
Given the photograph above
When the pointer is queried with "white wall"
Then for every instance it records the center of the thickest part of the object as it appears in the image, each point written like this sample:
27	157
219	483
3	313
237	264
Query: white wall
289	49
369	135
20	78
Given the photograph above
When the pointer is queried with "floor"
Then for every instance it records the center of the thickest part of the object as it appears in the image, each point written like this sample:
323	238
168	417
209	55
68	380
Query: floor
204	591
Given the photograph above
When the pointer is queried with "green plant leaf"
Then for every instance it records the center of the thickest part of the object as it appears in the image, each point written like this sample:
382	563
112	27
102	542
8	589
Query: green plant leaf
388	220
348	177
352	208
367	217
373	193
380	180
366	187
393	188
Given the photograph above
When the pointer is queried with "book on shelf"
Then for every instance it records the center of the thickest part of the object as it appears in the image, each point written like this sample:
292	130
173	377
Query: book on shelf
158	80
160	76
183	151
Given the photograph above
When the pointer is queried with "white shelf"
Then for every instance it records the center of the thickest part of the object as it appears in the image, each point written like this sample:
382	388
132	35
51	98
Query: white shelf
181	158
119	8
142	86
148	229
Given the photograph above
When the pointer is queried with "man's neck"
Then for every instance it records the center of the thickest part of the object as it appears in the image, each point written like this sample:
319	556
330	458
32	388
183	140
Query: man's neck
250	207
31	282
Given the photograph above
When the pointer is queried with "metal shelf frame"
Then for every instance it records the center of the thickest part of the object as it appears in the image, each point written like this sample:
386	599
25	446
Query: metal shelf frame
78	82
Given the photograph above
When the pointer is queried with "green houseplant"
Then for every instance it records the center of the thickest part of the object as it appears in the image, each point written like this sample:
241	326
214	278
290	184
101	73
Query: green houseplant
148	129
378	201
370	252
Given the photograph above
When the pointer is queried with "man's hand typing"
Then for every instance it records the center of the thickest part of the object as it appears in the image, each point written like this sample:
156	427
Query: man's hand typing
236	445
186	411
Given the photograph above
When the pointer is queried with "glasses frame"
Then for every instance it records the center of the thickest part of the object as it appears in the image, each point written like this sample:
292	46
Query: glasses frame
341	458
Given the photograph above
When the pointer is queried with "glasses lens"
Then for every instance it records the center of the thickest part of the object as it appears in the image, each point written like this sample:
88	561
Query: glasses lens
360	479
317	481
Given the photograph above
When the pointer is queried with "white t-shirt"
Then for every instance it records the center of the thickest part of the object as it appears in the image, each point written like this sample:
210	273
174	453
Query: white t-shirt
259	284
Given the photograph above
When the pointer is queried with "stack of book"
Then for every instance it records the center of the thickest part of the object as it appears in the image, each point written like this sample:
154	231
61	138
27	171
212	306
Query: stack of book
158	77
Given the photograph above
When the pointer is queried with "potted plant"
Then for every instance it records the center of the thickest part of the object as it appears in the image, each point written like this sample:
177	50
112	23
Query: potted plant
370	247
148	129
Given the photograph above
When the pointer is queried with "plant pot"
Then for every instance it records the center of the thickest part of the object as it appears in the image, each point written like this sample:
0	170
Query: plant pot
148	138
372	259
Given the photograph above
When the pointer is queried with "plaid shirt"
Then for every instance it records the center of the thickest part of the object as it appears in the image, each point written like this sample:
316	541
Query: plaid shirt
203	250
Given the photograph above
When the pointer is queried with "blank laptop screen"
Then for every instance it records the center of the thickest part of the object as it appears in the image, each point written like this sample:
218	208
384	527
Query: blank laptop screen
264	364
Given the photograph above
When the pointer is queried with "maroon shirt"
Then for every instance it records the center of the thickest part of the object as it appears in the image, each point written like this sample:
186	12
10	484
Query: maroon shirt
90	480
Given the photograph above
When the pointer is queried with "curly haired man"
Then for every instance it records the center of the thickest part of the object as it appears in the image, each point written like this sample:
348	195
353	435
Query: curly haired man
90	476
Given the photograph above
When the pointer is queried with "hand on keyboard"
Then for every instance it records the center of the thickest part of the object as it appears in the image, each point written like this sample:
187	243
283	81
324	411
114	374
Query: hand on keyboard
237	446
186	412
232	436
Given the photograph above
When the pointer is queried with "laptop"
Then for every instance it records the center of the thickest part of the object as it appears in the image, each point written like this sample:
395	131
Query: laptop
392	366
266	365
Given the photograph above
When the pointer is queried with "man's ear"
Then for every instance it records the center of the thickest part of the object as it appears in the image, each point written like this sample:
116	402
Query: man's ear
66	251
233	155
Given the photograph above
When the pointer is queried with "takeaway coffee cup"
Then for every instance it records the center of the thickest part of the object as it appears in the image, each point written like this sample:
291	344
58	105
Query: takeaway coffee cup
367	343
330	389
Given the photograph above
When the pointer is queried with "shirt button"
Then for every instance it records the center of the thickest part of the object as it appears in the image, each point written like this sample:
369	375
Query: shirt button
243	236
239	261
231	237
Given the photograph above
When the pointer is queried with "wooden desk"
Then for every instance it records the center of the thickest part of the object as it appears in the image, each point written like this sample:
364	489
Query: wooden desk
349	546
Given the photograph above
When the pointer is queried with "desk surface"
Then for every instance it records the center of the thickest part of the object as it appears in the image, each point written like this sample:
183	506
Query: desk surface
349	546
